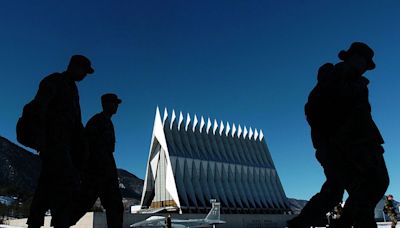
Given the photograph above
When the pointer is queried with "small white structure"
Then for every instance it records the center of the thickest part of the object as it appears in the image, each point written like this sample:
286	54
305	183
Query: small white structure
135	209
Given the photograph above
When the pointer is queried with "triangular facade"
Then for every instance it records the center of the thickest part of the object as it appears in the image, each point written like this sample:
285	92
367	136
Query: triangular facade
193	161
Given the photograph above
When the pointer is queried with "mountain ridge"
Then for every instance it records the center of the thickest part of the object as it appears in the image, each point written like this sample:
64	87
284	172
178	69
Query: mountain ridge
20	169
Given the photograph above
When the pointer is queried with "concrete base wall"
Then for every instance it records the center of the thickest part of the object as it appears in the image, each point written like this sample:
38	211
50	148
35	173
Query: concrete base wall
86	221
98	220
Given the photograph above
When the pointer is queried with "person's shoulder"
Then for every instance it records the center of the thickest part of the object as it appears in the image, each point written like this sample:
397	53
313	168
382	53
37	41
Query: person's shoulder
325	72
326	67
52	79
96	119
97	116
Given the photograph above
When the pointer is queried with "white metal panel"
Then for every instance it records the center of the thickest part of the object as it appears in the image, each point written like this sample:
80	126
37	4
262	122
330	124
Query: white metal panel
159	134
202	123
165	115
228	187
264	186
245	132
234	185
154	164
227	129
179	173
180	120
215	126
172	119
208	125
240	185
233	130
218	183
261	135
211	180
239	133
188	119
198	187
250	133
270	187
245	182
255	134
195	121
188	172
221	127
147	178
203	180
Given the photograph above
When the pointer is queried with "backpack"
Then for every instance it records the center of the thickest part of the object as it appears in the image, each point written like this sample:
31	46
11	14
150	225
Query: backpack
29	126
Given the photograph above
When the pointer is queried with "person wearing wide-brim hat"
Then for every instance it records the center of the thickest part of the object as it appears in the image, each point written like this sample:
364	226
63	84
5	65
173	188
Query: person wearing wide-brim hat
347	141
361	50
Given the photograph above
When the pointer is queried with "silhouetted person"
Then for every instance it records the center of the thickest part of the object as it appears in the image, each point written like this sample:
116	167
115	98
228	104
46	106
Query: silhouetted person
168	222
348	143
59	143
390	210
100	178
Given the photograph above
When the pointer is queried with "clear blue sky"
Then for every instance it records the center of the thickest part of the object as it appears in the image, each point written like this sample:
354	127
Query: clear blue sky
248	62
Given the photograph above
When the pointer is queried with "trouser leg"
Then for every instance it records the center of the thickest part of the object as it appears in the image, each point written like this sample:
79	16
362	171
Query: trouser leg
330	195
63	184
111	199
88	195
366	182
39	205
393	218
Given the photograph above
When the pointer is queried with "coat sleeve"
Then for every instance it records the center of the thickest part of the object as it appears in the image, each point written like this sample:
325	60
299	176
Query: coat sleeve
45	94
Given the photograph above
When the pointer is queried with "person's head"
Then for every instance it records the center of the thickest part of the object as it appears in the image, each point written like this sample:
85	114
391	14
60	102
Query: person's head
110	102
390	197
359	56
79	66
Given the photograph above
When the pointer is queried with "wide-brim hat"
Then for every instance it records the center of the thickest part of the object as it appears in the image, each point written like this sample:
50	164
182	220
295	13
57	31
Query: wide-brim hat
82	61
110	97
361	49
